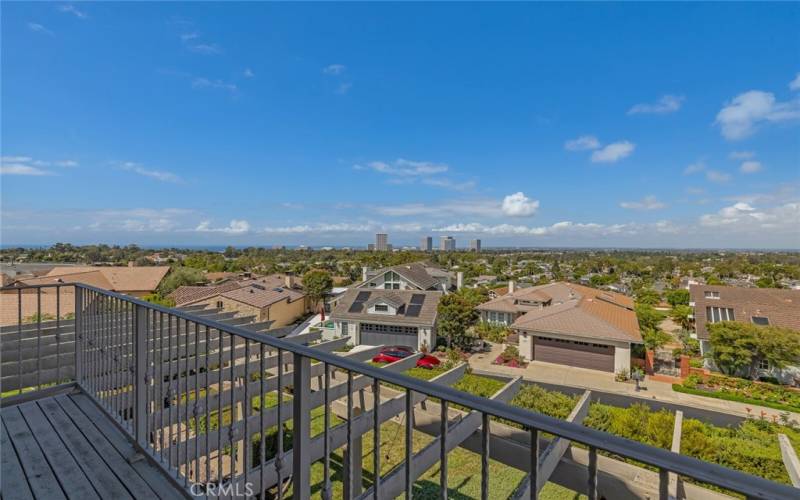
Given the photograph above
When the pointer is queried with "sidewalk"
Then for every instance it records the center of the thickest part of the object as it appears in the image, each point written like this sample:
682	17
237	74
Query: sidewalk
549	373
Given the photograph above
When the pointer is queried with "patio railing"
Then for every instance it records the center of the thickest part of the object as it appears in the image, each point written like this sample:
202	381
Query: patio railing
213	402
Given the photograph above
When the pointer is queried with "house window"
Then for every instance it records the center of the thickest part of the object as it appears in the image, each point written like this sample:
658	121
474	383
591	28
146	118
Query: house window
219	304
711	295
391	281
760	320
381	308
717	314
344	328
763	364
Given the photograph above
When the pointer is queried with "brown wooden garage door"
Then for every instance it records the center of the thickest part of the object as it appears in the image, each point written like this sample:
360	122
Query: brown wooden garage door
580	354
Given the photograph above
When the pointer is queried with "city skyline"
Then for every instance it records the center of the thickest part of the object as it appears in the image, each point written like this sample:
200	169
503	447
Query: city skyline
273	124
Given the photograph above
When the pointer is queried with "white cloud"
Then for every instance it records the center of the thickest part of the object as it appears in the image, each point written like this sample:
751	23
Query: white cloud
694	168
741	155
405	168
519	205
38	28
205	83
192	41
236	226
646	203
343	227
582	143
750	167
334	69
449	184
744	217
613	152
71	9
696	191
717	176
741	117
248	73
25	165
159	175
666	104
795	84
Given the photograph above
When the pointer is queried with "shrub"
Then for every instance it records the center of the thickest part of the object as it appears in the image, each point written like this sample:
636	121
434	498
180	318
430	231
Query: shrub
492	332
622	375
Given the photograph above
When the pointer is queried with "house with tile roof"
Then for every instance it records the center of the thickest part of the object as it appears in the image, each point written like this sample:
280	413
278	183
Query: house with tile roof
277	298
760	306
387	316
569	324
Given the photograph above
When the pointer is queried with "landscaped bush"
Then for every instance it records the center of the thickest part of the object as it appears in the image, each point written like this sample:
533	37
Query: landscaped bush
510	357
751	447
742	390
492	332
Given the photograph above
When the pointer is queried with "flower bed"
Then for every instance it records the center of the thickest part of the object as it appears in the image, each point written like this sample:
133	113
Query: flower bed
510	357
742	391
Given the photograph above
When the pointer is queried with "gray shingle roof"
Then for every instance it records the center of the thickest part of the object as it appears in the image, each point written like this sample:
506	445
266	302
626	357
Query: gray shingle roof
426	315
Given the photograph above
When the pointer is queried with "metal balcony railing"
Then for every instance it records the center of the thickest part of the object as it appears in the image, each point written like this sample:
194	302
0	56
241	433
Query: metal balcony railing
190	389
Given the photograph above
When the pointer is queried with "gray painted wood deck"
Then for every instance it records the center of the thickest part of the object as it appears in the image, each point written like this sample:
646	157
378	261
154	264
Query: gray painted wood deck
66	447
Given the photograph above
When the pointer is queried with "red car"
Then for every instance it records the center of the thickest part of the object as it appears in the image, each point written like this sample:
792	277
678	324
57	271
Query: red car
396	353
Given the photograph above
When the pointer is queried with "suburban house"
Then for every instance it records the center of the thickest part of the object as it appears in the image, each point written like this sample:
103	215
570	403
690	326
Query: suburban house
387	317
277	298
414	276
569	324
130	280
760	306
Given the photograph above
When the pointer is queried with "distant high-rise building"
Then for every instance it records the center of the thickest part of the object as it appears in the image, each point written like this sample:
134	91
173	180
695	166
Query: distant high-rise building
426	245
475	245
447	244
371	247
381	242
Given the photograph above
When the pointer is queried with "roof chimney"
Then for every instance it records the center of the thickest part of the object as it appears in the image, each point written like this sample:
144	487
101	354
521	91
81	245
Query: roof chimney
289	280
364	272
459	280
511	286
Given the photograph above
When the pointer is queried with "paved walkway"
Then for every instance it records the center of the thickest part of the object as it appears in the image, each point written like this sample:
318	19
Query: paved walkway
549	373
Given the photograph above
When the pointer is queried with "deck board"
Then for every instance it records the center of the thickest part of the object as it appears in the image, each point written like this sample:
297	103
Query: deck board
14	484
64	446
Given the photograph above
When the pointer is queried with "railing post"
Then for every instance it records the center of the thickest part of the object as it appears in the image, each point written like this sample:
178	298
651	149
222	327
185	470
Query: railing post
301	436
79	333
140	374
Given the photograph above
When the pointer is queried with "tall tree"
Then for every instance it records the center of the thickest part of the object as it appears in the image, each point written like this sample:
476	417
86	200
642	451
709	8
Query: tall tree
317	284
456	314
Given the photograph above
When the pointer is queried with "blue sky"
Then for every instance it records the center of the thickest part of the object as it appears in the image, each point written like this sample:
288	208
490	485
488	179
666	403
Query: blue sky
637	125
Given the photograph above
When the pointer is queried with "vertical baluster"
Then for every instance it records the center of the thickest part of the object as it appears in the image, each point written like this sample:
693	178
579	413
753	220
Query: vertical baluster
233	406
663	484
58	334
115	358
38	337
170	391
350	461
279	458
409	442
207	386
326	487
140	378
301	431
19	344
186	463
534	464
162	443
247	408
376	437
592	486
78	291
485	451
443	452
178	394
262	427
197	401
219	408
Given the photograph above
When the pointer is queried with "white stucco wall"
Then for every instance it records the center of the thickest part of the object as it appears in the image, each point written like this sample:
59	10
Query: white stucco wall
426	336
526	346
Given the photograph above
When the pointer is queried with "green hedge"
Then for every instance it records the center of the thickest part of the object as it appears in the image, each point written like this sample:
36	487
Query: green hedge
728	396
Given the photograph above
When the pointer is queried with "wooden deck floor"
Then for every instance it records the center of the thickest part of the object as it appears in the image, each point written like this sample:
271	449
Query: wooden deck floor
66	447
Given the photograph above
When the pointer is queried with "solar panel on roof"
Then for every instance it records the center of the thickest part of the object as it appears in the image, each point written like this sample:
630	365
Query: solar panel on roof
356	307
413	310
362	296
418	299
